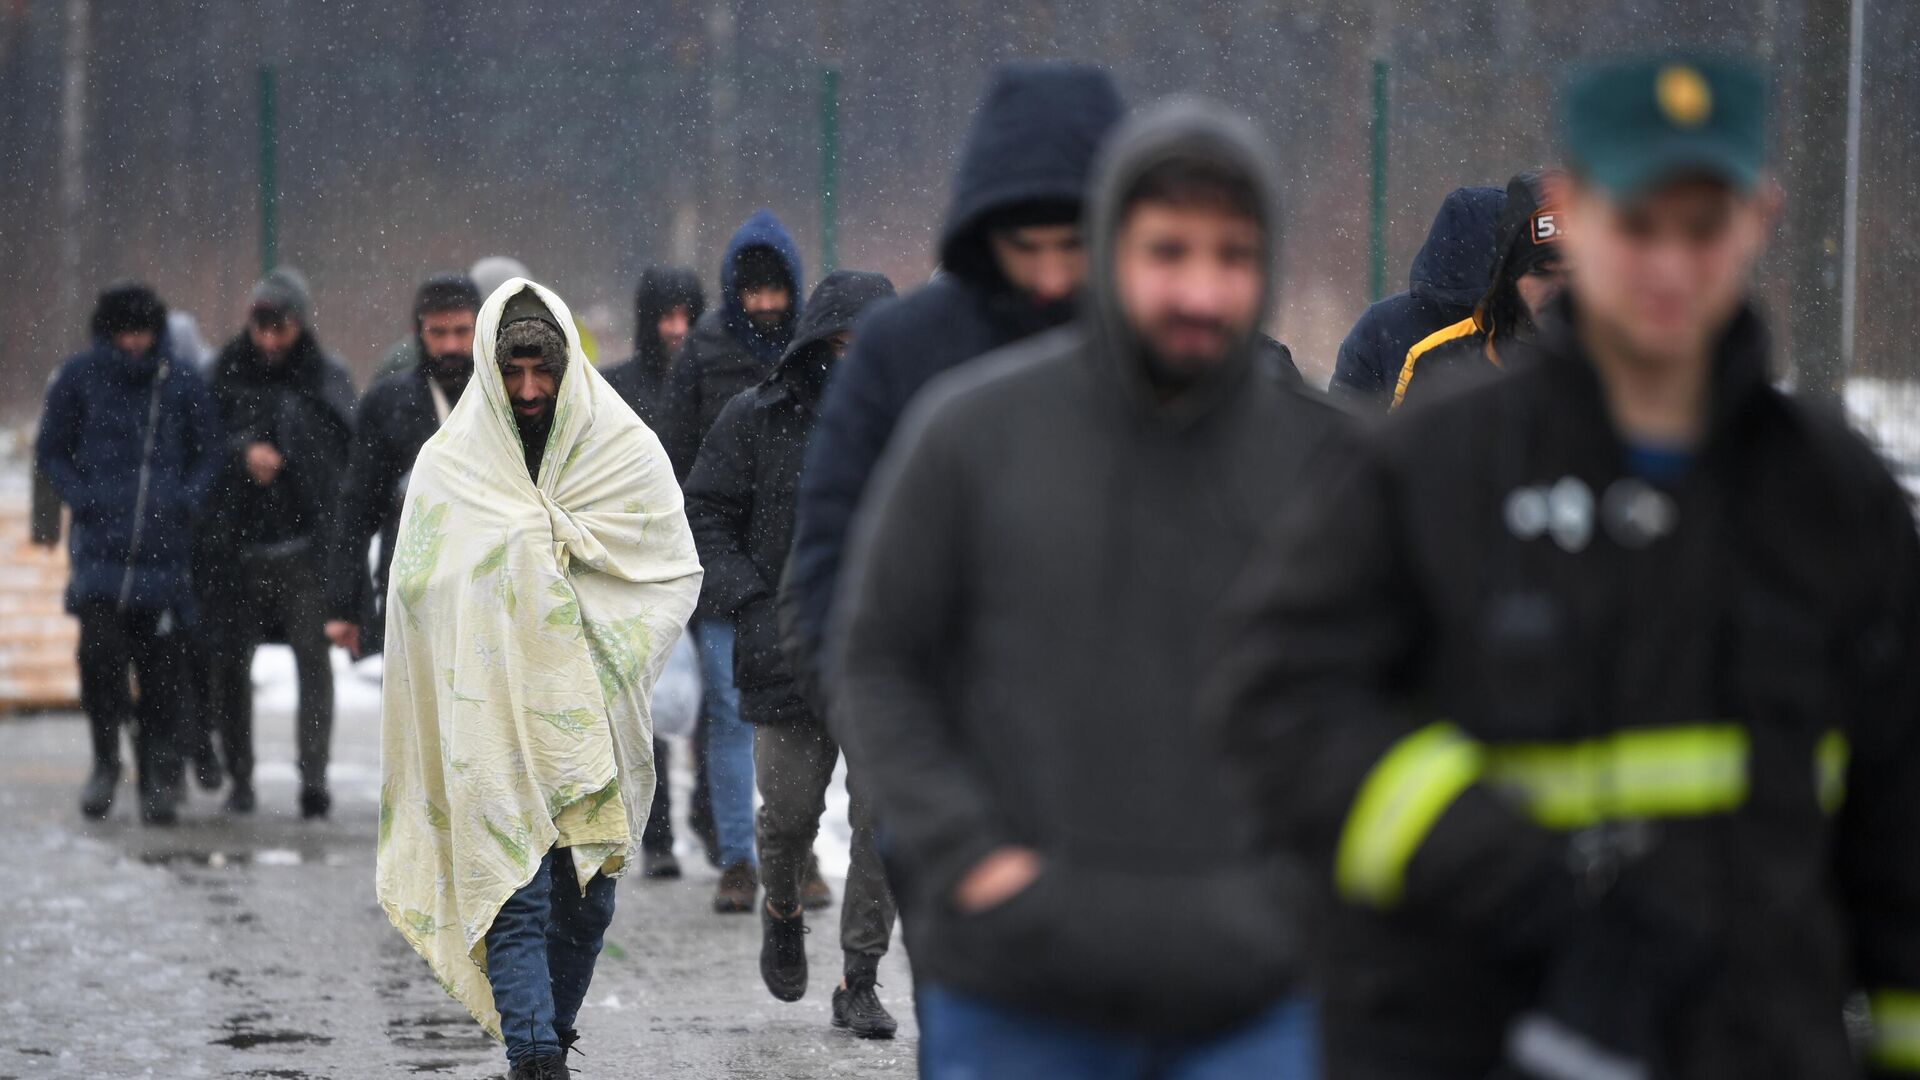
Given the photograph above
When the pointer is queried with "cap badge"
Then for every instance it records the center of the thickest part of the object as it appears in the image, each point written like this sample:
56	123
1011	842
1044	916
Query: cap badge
1685	99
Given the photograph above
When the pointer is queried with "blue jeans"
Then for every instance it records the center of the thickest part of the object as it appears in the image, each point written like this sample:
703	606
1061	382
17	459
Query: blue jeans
540	954
963	1037
729	744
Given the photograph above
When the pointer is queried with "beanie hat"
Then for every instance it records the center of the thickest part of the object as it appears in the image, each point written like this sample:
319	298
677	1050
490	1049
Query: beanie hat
284	290
525	323
126	307
490	273
446	292
758	267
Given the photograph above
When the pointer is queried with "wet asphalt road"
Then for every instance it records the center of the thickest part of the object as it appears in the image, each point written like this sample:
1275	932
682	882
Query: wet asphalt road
253	947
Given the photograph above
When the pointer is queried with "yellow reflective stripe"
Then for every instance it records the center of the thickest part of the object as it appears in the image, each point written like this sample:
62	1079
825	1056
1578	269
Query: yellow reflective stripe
1896	1030
1655	773
1403	795
1830	758
1427	344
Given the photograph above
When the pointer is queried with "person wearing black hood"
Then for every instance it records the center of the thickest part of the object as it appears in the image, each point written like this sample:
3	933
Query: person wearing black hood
1012	259
288	410
1449	275
740	506
732	348
1017	658
131	441
1527	277
396	417
666	306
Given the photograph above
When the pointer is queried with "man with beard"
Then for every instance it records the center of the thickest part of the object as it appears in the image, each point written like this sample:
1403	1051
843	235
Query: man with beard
543	572
1012	260
396	417
731	348
667	304
1046	539
288	410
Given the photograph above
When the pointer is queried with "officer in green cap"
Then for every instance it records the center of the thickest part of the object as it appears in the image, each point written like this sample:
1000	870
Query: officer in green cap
1590	695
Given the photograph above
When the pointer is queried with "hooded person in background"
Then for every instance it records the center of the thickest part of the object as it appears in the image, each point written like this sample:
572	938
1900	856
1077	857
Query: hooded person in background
740	506
396	417
1012	256
731	348
1019	651
130	439
667	304
287	408
1449	275
544	570
1526	278
665	307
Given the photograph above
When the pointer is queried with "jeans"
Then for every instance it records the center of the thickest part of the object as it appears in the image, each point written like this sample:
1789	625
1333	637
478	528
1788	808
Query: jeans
283	589
152	642
969	1038
729	744
794	761
540	954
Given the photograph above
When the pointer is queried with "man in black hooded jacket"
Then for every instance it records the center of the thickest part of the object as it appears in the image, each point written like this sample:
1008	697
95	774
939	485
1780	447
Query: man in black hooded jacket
1016	664
740	506
1011	256
288	411
666	306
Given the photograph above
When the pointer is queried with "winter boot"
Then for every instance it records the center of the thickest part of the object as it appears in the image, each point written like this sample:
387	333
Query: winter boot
814	893
159	801
542	1067
783	952
739	886
314	803
240	800
96	799
659	864
857	1008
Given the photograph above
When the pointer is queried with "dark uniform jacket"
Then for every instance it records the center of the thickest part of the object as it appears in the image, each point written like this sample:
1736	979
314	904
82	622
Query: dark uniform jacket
1561	740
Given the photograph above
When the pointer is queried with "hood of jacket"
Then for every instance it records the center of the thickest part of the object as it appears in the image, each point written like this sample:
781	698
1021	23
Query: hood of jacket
1033	139
663	288
836	304
1180	128
1456	262
760	230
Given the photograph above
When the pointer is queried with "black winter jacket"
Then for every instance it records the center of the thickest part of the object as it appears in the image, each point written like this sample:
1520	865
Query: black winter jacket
1491	648
741	493
1033	139
395	419
1020	645
1448	277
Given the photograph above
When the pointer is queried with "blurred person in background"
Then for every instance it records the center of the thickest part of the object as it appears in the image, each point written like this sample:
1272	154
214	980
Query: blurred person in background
740	506
1448	277
1046	539
668	301
1589	694
131	440
1528	274
395	418
287	407
1012	262
730	349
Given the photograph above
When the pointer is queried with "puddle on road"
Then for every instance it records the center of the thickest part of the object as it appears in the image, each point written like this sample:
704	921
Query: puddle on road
242	1035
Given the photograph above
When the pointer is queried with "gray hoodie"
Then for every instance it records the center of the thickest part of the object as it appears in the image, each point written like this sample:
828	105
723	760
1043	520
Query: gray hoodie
1028	589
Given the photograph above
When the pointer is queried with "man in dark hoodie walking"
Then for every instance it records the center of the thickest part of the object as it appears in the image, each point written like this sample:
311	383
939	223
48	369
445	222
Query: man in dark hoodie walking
131	441
288	410
740	505
666	306
1448	276
1012	257
1015	669
732	348
396	418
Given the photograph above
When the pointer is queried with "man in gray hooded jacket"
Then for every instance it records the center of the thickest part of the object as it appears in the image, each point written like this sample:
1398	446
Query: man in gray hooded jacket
1049	533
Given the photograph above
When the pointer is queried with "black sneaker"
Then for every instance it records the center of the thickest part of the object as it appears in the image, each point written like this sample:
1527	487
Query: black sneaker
857	1008
96	799
240	800
783	952
659	864
543	1067
314	803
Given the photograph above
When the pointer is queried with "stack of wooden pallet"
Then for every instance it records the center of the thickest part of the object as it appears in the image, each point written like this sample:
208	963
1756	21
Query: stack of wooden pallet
37	636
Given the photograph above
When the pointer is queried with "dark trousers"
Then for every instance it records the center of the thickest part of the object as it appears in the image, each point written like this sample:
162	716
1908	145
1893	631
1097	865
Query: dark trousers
150	642
541	950
658	835
283	590
793	763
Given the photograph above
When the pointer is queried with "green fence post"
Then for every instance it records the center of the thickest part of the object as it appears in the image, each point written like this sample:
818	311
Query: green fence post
269	171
